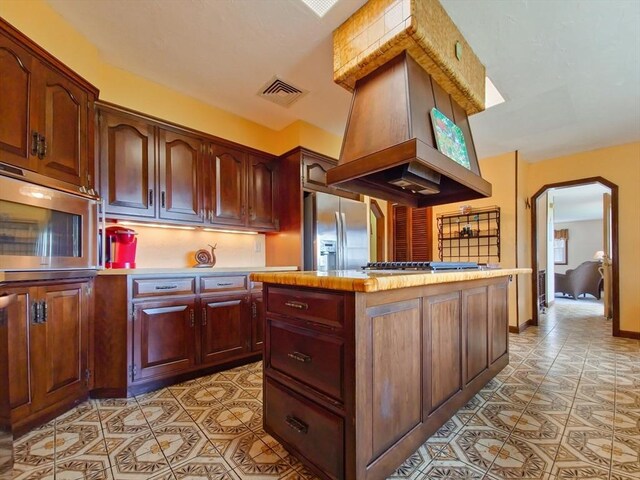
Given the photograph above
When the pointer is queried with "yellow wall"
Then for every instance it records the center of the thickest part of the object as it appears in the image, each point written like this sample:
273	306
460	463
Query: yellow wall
37	20
620	165
500	171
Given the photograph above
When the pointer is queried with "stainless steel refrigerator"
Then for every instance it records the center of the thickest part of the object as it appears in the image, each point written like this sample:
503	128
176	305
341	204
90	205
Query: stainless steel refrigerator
335	233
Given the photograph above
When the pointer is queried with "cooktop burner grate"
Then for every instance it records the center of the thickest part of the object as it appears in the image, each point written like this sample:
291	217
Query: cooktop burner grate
429	266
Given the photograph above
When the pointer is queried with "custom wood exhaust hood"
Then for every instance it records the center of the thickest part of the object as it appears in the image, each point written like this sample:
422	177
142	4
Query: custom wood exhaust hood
403	58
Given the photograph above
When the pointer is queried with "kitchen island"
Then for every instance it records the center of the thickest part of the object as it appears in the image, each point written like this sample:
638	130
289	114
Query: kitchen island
362	367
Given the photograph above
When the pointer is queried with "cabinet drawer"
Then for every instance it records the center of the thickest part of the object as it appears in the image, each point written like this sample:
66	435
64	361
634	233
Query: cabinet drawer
311	357
320	308
312	431
152	287
221	284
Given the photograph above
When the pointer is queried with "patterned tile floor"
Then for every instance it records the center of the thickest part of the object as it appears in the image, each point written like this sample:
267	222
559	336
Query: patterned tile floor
566	407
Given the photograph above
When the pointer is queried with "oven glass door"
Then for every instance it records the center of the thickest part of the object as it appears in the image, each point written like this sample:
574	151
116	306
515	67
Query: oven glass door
41	228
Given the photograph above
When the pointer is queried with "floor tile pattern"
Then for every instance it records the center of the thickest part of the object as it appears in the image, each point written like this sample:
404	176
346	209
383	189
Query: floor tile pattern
566	407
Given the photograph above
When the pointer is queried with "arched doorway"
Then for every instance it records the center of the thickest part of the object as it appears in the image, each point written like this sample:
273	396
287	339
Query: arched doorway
615	287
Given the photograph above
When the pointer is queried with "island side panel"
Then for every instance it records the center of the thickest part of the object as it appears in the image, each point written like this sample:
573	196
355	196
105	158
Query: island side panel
461	332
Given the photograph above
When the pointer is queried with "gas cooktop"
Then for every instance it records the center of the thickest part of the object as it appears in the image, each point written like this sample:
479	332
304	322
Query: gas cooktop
428	266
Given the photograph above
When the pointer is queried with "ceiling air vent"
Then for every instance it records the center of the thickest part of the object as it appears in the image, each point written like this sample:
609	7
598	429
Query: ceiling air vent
283	93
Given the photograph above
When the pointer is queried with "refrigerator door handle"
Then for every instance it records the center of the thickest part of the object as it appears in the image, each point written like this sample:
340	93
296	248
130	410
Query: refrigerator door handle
343	242
338	242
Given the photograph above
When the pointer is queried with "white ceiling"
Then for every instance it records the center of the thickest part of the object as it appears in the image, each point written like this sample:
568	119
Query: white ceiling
575	204
570	70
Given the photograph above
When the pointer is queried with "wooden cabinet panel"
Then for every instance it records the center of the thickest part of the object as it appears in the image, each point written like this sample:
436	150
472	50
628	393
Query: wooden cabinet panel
402	235
61	342
444	346
316	433
65	130
225	327
499	320
19	363
257	322
311	357
163	338
314	172
262	193
127	165
179	167
474	313
228	186
18	112
396	372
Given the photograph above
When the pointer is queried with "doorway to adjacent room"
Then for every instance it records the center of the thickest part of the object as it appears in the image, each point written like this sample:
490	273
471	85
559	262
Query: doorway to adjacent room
574	239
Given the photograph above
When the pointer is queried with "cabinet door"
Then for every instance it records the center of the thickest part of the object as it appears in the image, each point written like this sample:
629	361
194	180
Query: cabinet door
60	344
179	164
127	165
225	328
262	193
20	318
18	107
257	322
65	129
229	178
314	173
163	338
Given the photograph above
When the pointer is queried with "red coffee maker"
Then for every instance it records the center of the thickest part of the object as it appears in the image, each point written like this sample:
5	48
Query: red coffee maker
121	247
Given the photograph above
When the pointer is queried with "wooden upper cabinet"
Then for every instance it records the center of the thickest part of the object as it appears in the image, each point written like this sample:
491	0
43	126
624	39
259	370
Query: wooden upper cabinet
228	185
65	130
262	192
127	165
179	182
18	112
314	172
314	175
44	112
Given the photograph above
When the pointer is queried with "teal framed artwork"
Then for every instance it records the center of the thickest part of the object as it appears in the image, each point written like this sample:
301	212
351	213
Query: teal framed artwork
449	138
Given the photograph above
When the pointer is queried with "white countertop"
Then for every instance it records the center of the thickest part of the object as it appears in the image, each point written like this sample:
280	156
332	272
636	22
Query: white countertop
191	270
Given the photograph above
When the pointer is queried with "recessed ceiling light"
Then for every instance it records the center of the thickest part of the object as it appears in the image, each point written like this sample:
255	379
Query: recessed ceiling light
492	96
320	7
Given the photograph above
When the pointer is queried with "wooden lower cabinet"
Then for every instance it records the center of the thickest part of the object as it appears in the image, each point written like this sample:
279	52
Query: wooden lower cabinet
48	350
224	330
257	322
422	353
152	331
163	338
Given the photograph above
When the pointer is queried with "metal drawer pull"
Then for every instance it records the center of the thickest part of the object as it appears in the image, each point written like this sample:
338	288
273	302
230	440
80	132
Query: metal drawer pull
298	305
297	424
166	287
300	357
225	284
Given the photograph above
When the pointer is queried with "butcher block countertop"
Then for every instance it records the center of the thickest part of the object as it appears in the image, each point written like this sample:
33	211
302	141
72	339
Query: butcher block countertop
376	281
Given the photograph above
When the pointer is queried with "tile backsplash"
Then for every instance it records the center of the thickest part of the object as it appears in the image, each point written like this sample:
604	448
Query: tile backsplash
173	248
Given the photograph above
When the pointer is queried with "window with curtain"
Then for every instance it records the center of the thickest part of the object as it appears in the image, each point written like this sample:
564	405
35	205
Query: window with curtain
560	246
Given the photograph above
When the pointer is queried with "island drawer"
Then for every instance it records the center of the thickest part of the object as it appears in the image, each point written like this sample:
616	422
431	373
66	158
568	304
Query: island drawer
153	287
315	433
308	356
320	309
222	284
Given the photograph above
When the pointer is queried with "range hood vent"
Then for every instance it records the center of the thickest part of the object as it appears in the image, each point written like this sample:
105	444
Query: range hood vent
389	149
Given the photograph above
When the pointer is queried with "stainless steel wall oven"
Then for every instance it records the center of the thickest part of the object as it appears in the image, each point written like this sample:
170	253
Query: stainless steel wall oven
43	228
